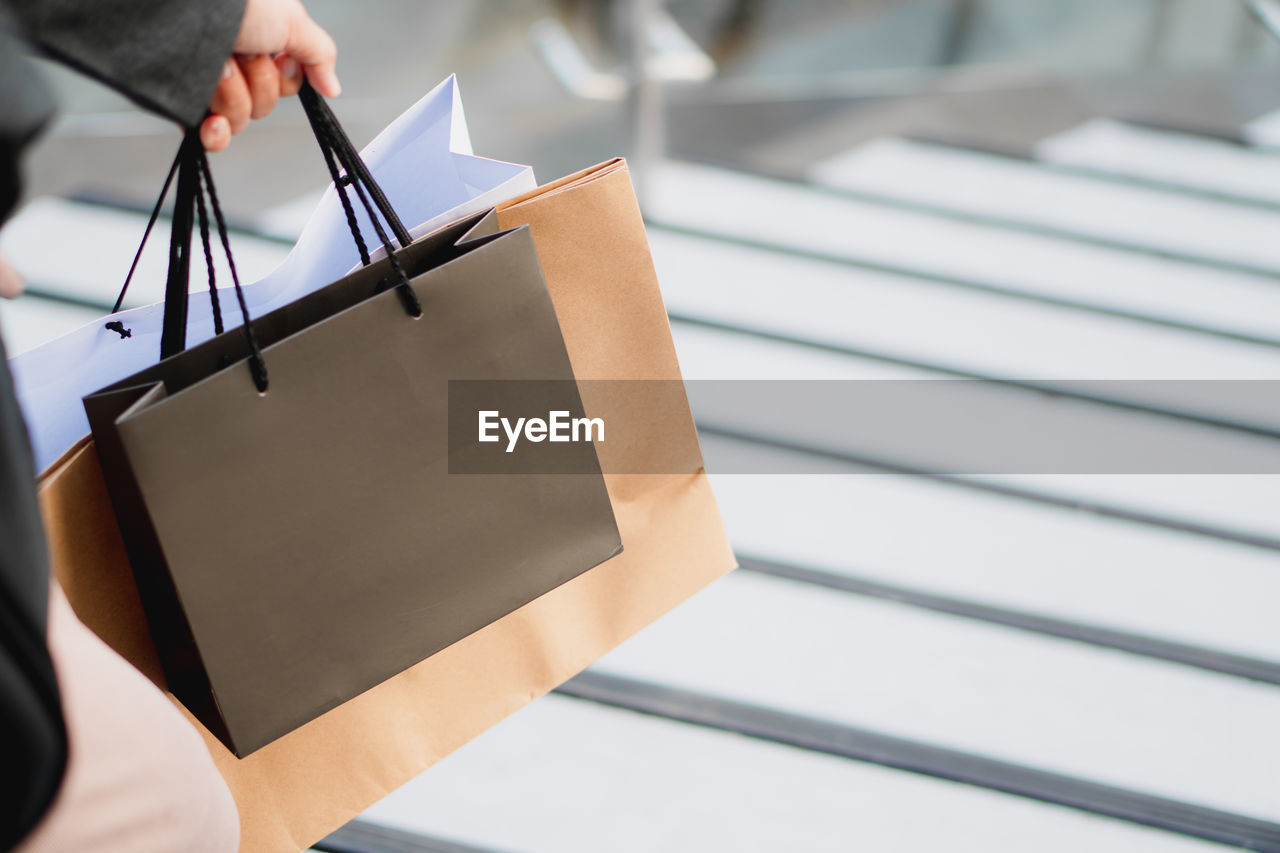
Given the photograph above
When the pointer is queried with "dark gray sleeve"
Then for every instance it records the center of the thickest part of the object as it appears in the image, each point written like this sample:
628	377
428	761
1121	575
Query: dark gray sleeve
32	738
166	55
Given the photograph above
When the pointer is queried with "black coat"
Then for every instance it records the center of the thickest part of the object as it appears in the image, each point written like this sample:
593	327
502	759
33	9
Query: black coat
167	56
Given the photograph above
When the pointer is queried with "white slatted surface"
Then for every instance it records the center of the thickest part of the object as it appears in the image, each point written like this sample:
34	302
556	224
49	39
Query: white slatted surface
1180	159
563	776
1235	502
1059	705
712	354
1026	193
1053	704
1009	553
964	329
797	217
987	333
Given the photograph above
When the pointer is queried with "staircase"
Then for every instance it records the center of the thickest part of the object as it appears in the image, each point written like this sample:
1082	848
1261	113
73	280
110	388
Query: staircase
906	660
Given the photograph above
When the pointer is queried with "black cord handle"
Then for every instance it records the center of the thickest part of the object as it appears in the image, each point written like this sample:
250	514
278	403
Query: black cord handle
195	182
173	333
155	213
338	151
257	365
319	113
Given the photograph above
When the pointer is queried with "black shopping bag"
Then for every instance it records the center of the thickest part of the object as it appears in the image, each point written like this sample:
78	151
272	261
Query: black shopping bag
284	489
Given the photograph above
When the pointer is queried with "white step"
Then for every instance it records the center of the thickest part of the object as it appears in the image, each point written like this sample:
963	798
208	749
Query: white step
1054	704
92	265
1240	503
798	217
960	329
711	354
1016	554
1244	503
982	333
988	185
918	319
1178	159
565	776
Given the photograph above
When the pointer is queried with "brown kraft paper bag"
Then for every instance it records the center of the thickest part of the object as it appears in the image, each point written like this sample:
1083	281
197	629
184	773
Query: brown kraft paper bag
590	240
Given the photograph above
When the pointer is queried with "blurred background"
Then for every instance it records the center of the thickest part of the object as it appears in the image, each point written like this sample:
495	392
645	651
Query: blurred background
1015	190
768	86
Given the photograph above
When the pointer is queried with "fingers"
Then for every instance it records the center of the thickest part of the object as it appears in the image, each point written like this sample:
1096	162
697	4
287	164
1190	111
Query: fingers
249	89
282	46
215	133
231	99
263	80
290	75
310	45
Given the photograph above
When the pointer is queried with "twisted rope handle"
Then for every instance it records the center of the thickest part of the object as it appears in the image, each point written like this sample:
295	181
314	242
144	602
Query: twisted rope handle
195	182
257	364
338	151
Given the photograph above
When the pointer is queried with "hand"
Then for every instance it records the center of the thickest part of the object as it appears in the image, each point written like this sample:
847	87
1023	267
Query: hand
277	44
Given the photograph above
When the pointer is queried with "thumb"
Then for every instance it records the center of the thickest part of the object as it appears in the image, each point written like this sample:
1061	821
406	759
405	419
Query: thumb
312	47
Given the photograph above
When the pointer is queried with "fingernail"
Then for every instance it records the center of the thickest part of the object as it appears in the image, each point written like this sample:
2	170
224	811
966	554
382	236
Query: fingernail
289	68
218	130
226	69
337	87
